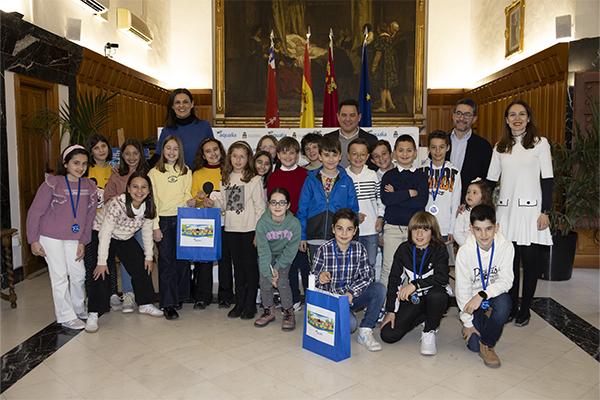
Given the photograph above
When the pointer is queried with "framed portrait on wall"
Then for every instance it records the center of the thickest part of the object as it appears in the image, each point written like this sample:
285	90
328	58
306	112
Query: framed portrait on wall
395	52
515	18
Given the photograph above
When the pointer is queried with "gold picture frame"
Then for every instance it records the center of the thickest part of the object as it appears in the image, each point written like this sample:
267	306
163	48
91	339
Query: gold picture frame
225	63
515	23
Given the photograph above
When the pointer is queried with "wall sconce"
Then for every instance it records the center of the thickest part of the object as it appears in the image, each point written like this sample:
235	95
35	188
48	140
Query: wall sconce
110	49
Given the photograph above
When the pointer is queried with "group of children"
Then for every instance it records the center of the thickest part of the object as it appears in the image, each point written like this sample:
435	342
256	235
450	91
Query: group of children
279	220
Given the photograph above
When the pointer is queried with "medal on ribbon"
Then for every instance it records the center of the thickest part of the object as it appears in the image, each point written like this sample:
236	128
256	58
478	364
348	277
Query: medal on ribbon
433	209
485	279
414	298
75	228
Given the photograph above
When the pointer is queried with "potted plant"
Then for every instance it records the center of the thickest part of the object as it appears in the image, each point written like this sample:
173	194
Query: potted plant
85	117
575	197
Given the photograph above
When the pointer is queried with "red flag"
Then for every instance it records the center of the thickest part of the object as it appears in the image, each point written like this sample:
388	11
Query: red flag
272	111
330	98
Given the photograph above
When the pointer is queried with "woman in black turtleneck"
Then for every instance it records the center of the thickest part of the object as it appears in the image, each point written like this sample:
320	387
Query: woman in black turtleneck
181	121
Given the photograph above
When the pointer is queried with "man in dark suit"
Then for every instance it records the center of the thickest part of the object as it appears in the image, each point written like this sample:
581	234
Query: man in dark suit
349	117
469	152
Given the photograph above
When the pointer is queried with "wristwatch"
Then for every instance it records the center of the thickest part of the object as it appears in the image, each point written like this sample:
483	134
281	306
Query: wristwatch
482	294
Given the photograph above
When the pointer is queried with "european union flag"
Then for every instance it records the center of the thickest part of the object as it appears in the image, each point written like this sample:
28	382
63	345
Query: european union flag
364	95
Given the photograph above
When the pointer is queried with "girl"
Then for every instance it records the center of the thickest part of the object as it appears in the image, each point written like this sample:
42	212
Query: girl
132	160
523	162
208	164
244	203
417	284
262	163
172	183
277	241
100	172
181	121
100	169
477	193
268	143
59	225
115	227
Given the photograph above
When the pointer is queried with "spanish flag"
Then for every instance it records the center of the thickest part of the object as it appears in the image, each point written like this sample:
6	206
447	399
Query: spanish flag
307	113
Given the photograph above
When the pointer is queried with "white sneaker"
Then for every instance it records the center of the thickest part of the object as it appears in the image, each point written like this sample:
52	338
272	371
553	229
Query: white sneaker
83	316
297	306
151	310
366	338
76	324
115	303
128	303
428	347
91	325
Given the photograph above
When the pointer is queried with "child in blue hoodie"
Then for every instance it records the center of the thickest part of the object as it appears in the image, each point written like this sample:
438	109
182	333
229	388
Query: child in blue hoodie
325	190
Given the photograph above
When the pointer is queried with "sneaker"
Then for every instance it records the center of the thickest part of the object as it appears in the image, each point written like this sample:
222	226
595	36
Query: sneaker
91	325
128	303
366	338
297	306
521	322
224	304
83	316
75	324
267	317
489	356
289	320
115	303
428	347
150	309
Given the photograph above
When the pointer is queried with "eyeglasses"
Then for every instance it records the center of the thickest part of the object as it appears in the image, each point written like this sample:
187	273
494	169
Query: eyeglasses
467	115
281	203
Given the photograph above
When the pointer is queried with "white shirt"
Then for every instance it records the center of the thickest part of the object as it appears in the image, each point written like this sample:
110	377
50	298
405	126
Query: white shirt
459	148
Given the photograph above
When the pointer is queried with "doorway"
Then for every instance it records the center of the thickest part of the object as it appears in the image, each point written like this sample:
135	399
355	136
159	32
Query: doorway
31	97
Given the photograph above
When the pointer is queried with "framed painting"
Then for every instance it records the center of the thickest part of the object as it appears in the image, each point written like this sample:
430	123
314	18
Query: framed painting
515	18
395	53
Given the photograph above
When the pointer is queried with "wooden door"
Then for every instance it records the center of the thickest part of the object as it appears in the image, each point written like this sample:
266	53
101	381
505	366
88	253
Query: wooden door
31	96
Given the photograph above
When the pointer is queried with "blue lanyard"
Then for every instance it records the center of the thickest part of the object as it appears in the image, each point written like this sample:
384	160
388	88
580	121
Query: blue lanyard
485	281
414	254
74	207
346	260
439	182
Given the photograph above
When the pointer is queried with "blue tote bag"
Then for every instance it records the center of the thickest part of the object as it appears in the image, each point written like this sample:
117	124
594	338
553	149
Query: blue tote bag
327	325
198	234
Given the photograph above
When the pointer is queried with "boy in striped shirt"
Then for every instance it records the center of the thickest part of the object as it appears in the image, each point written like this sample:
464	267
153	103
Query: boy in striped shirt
366	184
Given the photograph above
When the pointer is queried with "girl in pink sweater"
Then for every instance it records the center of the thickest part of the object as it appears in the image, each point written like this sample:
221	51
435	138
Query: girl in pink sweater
59	225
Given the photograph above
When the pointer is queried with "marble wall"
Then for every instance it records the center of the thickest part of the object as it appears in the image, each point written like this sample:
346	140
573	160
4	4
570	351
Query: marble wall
29	50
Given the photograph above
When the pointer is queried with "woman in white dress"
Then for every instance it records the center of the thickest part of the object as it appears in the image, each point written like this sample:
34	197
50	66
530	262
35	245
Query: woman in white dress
523	163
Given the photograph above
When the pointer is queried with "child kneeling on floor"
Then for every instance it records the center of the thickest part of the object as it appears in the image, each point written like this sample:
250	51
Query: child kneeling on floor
277	241
484	274
341	267
416	290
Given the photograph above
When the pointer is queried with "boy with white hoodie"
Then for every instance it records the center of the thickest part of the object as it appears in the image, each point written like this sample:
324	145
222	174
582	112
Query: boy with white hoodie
484	274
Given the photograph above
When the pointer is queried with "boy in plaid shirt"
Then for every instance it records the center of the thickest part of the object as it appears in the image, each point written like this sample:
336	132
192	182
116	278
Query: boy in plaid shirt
342	268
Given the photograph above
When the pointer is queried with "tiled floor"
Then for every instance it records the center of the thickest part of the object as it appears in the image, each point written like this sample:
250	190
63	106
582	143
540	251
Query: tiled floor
205	355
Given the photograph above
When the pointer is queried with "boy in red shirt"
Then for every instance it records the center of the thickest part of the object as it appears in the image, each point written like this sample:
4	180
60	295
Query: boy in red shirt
291	177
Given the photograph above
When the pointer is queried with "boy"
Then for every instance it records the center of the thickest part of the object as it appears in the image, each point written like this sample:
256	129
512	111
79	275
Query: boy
310	149
443	182
366	185
381	155
484	274
291	177
325	191
341	267
403	192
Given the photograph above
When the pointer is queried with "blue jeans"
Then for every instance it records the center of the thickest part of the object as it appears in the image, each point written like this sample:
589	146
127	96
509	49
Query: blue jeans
371	243
126	286
373	298
490	327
